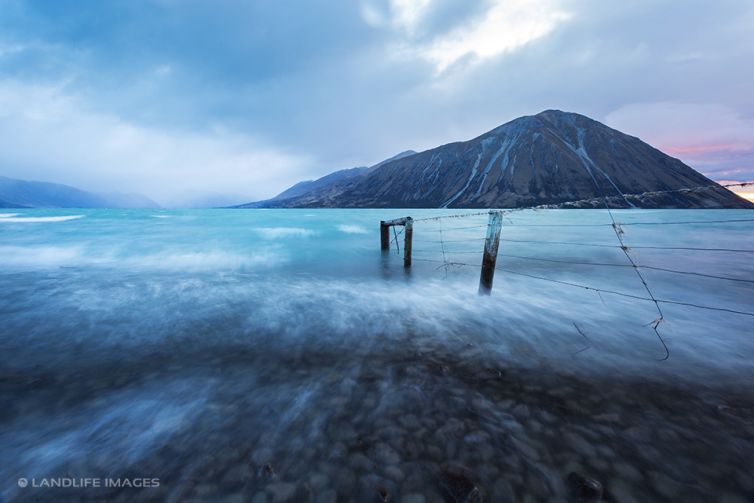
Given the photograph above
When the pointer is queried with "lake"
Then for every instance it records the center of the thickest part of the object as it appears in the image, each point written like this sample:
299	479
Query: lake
279	355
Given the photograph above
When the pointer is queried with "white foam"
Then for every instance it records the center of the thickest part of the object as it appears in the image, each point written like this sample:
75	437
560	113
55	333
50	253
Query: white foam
42	257
15	219
8	215
39	256
202	261
352	229
284	232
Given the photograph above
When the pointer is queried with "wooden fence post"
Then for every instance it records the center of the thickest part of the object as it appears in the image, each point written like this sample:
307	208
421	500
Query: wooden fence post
409	234
491	244
384	236
408	228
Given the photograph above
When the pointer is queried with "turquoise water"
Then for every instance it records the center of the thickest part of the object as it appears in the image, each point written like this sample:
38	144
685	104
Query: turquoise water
201	346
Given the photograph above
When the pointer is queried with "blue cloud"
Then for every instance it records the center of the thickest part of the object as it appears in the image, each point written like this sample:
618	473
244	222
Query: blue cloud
315	86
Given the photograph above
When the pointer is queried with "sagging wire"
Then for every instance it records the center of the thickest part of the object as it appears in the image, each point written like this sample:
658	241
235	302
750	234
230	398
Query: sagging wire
619	235
601	199
442	247
598	291
588	342
397	245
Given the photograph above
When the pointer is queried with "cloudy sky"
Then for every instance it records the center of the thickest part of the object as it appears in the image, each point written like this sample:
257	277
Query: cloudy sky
235	100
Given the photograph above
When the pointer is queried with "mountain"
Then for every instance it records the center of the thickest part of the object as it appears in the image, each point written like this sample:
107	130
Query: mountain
24	194
403	154
319	189
549	158
307	186
7	204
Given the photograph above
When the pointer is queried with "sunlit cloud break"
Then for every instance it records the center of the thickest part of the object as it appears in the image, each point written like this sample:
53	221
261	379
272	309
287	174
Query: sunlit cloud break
408	12
506	26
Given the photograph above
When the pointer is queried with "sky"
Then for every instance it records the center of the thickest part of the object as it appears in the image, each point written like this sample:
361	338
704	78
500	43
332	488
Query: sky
221	102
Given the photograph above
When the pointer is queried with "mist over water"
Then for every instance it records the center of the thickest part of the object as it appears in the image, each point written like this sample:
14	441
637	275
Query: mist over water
239	352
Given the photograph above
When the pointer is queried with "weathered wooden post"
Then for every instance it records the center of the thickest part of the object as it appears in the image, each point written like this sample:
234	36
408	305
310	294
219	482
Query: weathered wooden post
409	234
384	236
408	228
491	244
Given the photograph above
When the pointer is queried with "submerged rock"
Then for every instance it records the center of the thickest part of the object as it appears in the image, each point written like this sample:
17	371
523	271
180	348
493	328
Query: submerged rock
456	486
584	489
266	472
282	491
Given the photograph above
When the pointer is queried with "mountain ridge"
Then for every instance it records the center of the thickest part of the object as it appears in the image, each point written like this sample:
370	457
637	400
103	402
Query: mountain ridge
15	193
550	158
323	184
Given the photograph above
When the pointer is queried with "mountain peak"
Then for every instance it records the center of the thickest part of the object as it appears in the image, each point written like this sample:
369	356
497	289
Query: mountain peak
552	157
552	117
555	112
559	118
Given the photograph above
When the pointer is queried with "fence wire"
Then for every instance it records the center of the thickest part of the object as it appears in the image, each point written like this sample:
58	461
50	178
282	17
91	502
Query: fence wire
448	248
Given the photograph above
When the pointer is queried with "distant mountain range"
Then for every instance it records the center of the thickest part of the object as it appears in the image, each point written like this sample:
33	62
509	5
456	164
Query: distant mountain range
549	158
25	194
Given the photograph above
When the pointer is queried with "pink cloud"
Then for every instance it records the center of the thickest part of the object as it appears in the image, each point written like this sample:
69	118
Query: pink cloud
713	139
697	149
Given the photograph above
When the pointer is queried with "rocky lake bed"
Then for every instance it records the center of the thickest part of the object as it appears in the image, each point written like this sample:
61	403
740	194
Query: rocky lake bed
220	358
445	431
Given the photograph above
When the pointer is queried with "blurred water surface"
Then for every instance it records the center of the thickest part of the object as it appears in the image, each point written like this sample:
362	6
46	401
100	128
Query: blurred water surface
201	346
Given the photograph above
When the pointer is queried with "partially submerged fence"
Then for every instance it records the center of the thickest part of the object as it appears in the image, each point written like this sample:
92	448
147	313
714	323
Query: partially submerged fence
408	230
489	252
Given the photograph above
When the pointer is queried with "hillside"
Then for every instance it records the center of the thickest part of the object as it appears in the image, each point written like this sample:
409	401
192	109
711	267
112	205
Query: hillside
549	158
27	194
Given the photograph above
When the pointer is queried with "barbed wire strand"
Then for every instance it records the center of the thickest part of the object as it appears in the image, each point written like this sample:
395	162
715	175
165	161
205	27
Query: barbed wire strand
588	342
442	247
601	198
598	264
622	294
638	247
619	233
686	222
598	290
396	234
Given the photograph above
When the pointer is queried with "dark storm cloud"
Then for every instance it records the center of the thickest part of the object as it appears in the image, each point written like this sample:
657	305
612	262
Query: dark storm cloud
243	98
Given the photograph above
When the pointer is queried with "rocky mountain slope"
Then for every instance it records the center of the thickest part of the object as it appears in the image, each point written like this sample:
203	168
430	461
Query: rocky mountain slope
321	188
549	158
